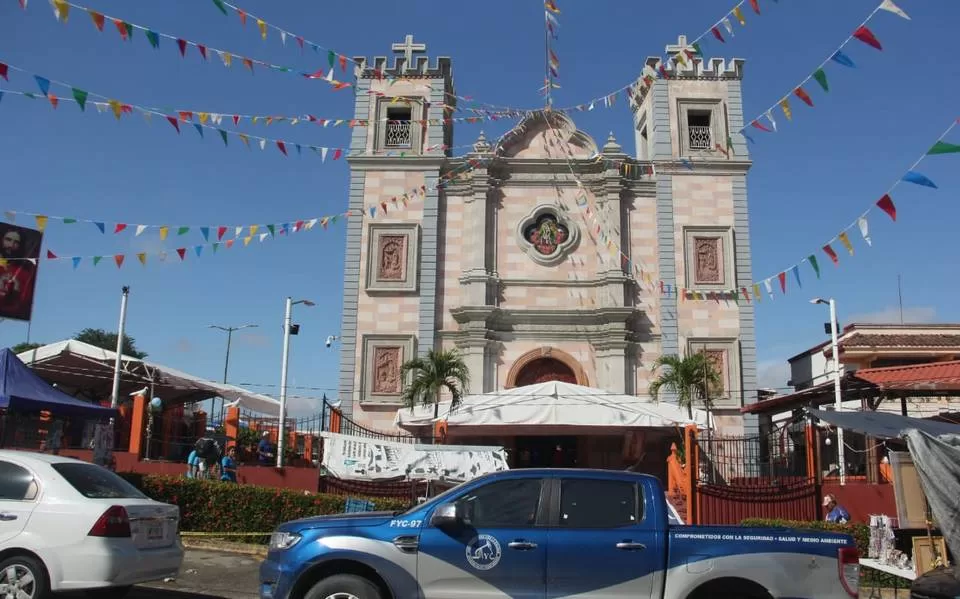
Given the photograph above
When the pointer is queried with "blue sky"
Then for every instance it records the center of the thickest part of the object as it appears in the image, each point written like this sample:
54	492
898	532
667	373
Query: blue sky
808	181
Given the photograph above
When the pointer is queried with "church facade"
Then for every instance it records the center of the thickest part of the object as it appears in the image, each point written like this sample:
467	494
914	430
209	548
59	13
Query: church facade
546	256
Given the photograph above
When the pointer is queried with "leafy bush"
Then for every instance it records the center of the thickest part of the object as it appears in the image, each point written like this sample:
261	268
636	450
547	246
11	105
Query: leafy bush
213	506
859	532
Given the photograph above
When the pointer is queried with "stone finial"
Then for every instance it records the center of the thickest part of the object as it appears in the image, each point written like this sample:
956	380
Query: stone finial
481	146
612	147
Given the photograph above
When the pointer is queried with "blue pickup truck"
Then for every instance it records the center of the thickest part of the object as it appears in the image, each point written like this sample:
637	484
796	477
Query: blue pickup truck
534	534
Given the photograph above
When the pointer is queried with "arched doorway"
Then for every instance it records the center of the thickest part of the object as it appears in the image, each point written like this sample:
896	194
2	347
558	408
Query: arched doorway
543	365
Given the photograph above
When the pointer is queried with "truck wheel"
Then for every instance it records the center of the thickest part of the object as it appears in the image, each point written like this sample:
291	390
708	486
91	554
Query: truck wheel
24	577
344	586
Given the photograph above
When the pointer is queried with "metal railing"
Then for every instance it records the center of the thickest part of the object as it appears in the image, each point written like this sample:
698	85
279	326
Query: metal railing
399	134
749	460
701	137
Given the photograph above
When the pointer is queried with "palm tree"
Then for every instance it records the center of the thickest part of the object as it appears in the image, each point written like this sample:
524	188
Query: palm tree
438	370
691	378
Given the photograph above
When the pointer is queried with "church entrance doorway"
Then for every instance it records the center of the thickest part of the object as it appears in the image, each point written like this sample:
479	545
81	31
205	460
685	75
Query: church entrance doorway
545	452
543	370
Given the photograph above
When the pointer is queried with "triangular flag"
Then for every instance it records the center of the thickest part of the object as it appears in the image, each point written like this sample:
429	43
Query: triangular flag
272	229
97	19
263	237
119	259
61	9
247	240
198	249
140	229
769	287
173	121
76	261
153	38
813	262
756	6
263	28
770	118
796	274
183	230
785	106
889	6
223	135
803	95
739	15
81	97
101	226
783	282
203	50
886	204
716	34
182	252
97	259
833	255
119	227
253	230
219	4
841	58
756	292
220	232
282	147
199	128
821	78
205	231
41	222
182	44
864	229
216	246
942	147
918	179
163	232
866	36
142	257
43	83
846	242
4	71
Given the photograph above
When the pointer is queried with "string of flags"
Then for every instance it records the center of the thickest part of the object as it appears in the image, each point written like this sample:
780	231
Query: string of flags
766	122
550	12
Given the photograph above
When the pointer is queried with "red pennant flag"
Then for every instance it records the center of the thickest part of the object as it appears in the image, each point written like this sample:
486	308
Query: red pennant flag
203	50
182	252
756	6
343	63
173	121
97	20
341	85
220	232
229	243
243	17
716	34
183	47
758	125
746	294
282	147
337	154
236	119
663	72
886	204
833	255
248	63
383	207
54	101
300	42
122	28
3	71
298	225
119	227
866	36
800	93
783	281
119	260
51	255
185	115
318	74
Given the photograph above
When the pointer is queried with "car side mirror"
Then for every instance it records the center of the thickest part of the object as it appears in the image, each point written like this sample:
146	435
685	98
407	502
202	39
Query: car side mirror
445	515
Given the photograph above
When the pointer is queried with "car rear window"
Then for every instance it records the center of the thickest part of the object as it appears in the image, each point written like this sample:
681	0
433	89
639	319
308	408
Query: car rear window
95	482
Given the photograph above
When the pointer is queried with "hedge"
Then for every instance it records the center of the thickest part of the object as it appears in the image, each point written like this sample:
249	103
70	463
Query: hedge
213	506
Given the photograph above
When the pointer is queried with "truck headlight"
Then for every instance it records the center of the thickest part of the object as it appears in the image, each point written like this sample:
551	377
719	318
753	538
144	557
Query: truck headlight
283	540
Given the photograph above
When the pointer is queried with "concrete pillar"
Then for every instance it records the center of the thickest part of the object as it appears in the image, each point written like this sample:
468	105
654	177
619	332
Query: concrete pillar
612	367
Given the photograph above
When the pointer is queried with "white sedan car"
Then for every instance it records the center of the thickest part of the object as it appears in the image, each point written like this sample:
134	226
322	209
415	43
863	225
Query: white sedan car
67	525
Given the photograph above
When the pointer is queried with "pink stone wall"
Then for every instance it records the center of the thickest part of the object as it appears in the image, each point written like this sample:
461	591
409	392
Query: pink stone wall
450	261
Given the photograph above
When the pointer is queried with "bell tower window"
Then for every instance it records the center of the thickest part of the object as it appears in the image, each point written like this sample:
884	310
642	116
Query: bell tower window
399	127
399	124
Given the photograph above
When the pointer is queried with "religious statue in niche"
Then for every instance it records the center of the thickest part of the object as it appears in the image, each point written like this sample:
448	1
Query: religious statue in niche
546	234
708	264
386	370
393	258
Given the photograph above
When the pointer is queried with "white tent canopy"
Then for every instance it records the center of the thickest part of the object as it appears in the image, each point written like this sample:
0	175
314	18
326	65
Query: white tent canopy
73	364
552	404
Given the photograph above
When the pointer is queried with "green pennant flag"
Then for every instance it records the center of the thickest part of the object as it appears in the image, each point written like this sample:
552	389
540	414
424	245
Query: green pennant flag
821	78
30	95
216	247
223	135
730	144
69	221
333	219
182	230
153	38
81	97
331	58
942	147
272	229
129	29
696	49
97	259
813	262
219	4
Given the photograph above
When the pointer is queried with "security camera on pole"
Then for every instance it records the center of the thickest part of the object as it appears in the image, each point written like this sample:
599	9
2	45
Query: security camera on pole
838	403
288	329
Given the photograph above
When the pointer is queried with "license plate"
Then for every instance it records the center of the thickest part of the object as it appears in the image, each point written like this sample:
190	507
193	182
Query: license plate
154	533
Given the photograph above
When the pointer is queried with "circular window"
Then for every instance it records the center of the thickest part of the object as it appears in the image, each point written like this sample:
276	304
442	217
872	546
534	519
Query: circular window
547	237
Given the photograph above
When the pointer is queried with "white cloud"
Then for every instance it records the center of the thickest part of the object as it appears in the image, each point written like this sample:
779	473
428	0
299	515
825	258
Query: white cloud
773	374
891	315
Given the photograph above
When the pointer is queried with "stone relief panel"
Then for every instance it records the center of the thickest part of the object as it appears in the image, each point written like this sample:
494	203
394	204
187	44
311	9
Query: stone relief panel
718	360
546	236
381	367
724	355
392	263
708	258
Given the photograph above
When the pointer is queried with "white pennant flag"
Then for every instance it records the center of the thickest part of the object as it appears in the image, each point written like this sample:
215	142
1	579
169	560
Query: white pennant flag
772	122
263	236
728	26
311	223
323	154
769	287
263	144
283	37
140	229
330	74
101	107
864	229
163	256
238	231
216	118
889	6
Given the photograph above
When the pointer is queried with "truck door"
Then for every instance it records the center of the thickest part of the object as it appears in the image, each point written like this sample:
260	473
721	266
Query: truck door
18	494
600	545
496	549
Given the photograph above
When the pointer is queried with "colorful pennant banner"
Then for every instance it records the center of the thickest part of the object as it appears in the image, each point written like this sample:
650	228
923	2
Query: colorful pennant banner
766	122
550	12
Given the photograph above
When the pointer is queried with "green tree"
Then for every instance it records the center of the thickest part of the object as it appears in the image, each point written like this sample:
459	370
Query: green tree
692	378
438	370
108	341
25	346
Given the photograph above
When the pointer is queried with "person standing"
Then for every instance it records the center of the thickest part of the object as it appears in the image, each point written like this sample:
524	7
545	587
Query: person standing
265	450
228	466
835	512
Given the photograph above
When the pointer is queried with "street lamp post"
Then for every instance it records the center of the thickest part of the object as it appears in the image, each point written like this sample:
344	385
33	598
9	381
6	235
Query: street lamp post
838	403
226	364
287	330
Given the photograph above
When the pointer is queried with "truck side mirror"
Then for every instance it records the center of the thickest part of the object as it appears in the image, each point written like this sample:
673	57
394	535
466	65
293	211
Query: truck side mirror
445	515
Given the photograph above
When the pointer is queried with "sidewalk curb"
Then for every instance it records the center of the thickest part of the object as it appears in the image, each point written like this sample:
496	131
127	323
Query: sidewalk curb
225	547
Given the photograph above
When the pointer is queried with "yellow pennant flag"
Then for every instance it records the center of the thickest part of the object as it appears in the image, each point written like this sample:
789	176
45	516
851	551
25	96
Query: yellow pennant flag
253	229
254	120
117	109
61	9
756	292
247	240
41	222
142	258
739	14
846	242
246	140
227	58
203	117
263	28
163	232
785	106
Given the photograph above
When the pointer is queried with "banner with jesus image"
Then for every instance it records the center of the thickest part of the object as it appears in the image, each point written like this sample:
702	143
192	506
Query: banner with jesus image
19	256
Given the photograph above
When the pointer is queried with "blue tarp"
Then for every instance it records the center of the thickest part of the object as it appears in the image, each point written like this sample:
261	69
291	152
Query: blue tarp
21	389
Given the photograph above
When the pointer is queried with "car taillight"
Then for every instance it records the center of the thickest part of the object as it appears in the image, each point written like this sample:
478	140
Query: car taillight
114	523
849	566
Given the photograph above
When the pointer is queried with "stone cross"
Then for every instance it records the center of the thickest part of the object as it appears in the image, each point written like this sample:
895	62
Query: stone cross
680	47
407	48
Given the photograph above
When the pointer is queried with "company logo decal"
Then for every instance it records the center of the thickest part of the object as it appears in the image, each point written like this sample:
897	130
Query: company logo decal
483	552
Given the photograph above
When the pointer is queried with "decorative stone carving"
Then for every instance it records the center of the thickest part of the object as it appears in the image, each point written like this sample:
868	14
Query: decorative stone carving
386	373
546	236
391	265
718	358
708	260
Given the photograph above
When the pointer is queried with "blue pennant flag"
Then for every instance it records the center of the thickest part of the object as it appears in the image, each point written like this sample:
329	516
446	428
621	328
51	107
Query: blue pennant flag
796	274
1	95
205	231
76	261
199	128
199	249
750	139
101	227
43	84
918	179
841	58
373	211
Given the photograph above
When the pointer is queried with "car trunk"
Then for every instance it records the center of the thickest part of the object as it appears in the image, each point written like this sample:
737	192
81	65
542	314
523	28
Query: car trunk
153	525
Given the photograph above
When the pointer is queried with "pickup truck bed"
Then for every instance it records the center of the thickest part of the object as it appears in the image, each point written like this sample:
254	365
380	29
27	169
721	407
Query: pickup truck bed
538	534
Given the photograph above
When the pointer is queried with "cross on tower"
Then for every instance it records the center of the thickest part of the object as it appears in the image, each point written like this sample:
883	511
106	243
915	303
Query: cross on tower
407	48
680	47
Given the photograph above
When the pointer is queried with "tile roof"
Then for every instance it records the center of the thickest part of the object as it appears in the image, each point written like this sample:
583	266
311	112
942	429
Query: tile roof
901	340
936	376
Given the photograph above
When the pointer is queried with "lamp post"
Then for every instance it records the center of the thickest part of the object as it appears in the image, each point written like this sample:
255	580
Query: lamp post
226	364
288	329
838	403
